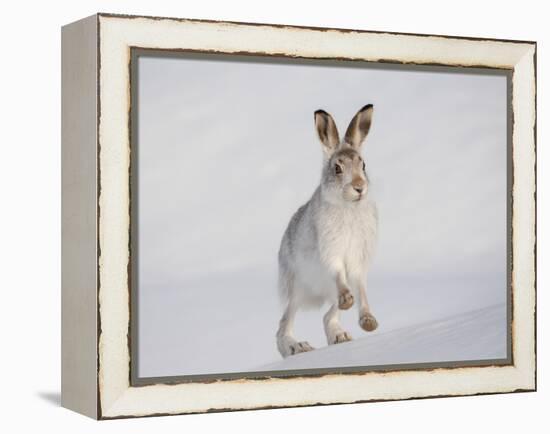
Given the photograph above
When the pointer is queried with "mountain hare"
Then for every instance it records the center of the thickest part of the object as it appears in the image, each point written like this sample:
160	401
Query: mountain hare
326	247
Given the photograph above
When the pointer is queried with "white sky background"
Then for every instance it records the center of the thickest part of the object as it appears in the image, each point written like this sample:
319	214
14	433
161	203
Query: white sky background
228	151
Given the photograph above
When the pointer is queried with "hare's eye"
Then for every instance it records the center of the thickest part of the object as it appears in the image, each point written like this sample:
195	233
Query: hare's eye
363	166
337	169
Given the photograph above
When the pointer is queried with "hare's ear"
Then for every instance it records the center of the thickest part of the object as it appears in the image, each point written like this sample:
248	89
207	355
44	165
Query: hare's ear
359	127
328	133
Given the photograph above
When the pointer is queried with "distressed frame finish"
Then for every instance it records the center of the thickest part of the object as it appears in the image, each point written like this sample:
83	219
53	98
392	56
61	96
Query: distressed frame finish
96	245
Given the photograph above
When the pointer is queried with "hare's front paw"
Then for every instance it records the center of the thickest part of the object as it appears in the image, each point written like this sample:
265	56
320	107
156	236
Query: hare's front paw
345	299
341	337
368	322
300	347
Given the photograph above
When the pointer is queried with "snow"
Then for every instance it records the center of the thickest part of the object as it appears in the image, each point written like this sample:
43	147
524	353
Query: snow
476	335
227	323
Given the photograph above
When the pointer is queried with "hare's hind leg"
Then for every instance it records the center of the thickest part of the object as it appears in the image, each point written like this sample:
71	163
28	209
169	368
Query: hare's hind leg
333	330
286	342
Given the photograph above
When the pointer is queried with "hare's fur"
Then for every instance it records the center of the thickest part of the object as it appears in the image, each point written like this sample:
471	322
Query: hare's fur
325	250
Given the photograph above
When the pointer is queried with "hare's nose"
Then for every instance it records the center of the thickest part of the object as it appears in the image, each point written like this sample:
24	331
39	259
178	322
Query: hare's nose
359	189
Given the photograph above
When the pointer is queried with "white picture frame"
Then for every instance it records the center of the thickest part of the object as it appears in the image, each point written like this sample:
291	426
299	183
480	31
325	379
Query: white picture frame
96	244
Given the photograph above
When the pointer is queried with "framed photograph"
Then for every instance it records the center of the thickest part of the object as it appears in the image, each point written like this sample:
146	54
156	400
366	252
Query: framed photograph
262	216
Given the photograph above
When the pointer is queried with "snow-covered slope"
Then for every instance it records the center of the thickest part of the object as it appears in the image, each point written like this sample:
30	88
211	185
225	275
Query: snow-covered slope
478	335
185	332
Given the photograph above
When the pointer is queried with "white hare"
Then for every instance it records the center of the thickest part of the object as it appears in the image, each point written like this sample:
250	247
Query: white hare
327	245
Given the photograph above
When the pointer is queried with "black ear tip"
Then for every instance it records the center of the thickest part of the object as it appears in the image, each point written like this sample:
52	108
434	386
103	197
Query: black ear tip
320	112
367	107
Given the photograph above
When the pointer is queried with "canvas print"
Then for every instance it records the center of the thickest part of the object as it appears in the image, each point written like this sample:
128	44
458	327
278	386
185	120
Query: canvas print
297	216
